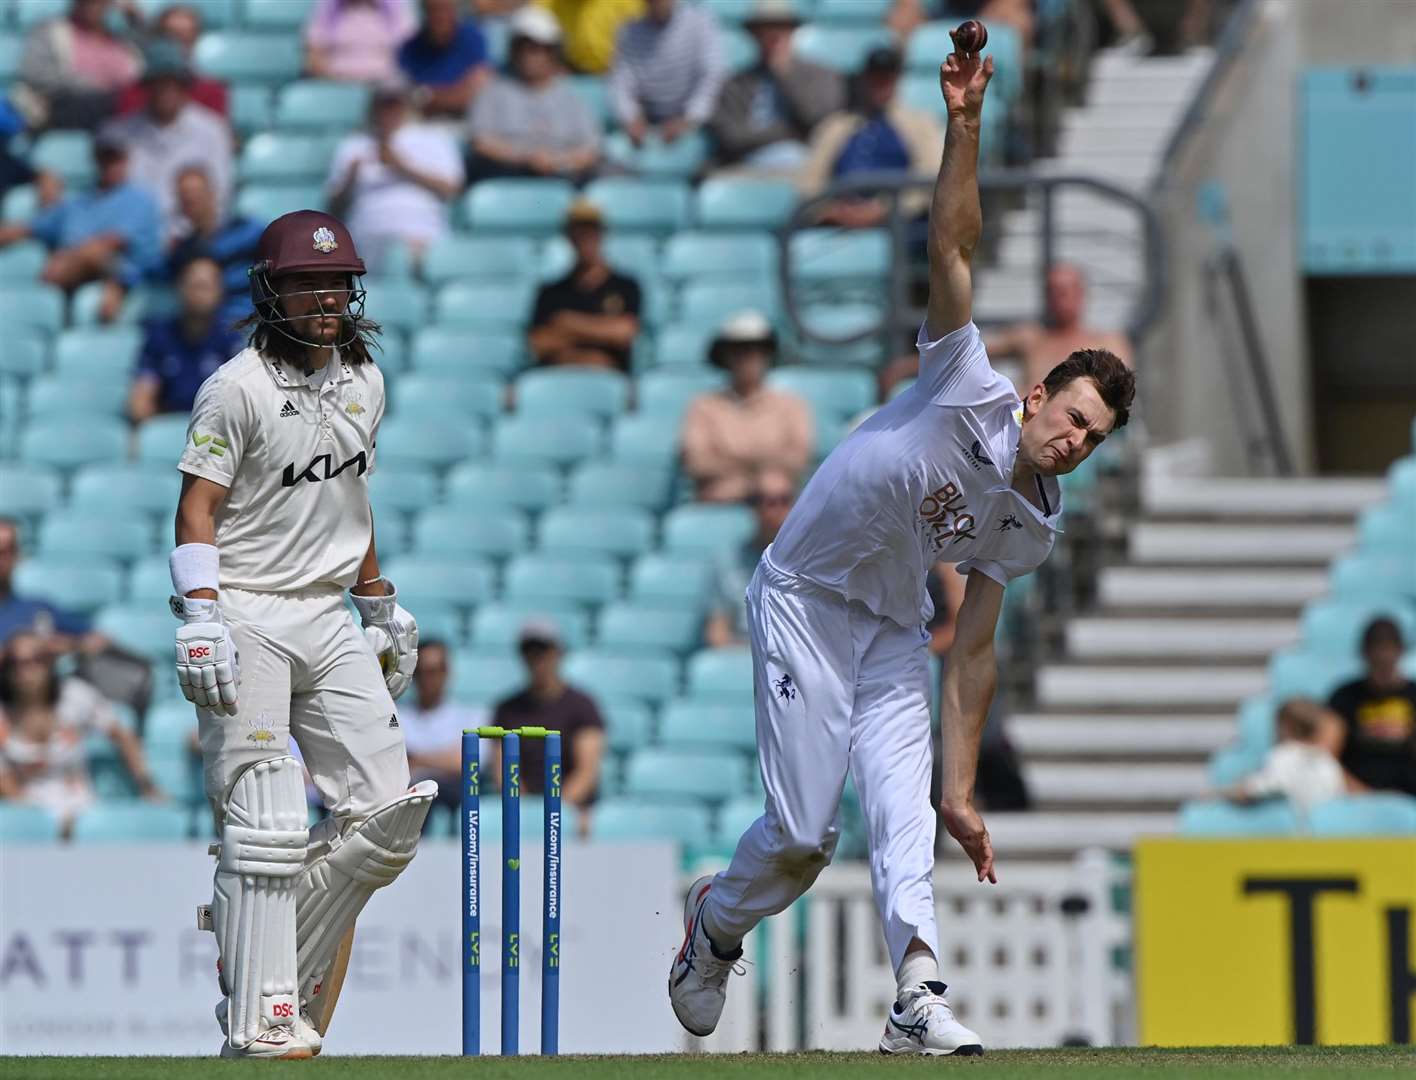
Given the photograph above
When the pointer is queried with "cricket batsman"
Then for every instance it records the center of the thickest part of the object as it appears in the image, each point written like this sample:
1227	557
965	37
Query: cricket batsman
957	468
273	525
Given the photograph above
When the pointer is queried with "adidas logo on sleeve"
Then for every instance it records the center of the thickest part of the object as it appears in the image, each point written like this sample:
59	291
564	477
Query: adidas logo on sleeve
289	409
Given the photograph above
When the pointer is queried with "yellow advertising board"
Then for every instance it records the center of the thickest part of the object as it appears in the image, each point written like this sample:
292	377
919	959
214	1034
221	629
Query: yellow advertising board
1246	942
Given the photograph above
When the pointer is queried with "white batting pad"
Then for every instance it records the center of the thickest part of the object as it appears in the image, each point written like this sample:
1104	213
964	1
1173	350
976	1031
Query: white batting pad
263	844
342	872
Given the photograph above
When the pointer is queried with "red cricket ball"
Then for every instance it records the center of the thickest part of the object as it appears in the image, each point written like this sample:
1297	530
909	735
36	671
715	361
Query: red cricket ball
970	37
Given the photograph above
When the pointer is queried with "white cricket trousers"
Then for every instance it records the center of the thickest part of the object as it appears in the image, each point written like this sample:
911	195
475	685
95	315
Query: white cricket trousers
307	670
837	688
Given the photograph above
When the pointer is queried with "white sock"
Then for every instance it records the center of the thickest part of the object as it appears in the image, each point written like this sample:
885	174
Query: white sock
917	967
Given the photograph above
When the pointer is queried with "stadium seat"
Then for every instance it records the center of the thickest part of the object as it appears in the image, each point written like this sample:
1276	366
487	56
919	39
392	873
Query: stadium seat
12	49
391	353
557	391
736	256
1255	724
247	57
619	530
680	345
1380	813
650	675
1402	480
37	306
456	578
452	393
21	263
710	302
69	443
734	819
621	819
740	50
707	774
28	490
545	440
149	581
486	676
320	105
681	159
286	157
1230	764
498	626
1303	673
436	444
1337	625
836	322
720	675
20	203
694	723
595	92
635	255
497	306
460	256
435	348
58	396
453	530
838	256
645	440
120	488
485	485
276	14
85	349
442	622
68	153
131	822
1384	574
657	206
518	206
628	625
251	106
71	584
20	824
834	394
214	13
162	439
401	489
607	484
855	13
266	202
145	629
1385	528
842	48
79	533
705	529
25	355
584	579
629	724
671	579
1274	818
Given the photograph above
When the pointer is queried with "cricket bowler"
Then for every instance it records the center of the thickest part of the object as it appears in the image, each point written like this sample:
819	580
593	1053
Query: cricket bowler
957	468
273	526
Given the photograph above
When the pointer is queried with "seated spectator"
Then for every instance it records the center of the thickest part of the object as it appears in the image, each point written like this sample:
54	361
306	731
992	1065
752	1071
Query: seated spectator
766	114
433	725
590	317
108	235
1378	713
181	25
907	15
550	703
63	630
393	184
178	353
668	69
591	28
172	133
357	40
230	242
875	134
530	122
73	67
446	60
1040	348
771	501
44	721
1301	766
731	436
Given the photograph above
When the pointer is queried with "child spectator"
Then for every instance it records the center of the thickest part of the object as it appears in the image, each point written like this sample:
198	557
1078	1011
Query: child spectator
1302	766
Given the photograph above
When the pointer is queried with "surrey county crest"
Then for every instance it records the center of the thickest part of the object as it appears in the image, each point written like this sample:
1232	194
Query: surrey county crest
260	733
324	240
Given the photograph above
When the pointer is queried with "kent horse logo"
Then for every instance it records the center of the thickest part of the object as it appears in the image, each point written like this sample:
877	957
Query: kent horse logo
945	514
319	469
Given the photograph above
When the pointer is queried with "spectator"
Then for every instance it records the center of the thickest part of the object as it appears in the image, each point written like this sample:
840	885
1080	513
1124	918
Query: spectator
876	134
231	242
530	122
357	40
21	614
14	169
44	721
73	67
668	69
591	28
771	501
549	703
108	235
181	25
1041	348
1378	713
446	60
590	317
1301	766
178	353
766	114
172	133
393	184
433	725
732	435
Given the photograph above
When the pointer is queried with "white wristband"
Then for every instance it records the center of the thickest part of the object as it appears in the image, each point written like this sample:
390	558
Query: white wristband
194	566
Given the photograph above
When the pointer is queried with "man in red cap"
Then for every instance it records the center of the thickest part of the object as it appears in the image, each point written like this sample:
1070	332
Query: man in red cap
273	525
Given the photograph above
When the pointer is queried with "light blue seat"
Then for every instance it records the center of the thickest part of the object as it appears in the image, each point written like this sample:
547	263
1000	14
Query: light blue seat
20	203
594	91
484	485
556	391
401	489
276	14
459	579
498	626
834	394
714	775
629	253
20	824
12	48
456	530
694	723
435	348
1230	764
629	724
681	159
647	440
1402	479
251	106
1255	724
720	675
214	13
1382	813
839	256
162	439
68	153
78	533
520	207
735	817
499	306
25	355
131	822
739	48
494	257
22	262
37	306
840	320
631	625
266	202
141	628
286	157
150	581
854	13
706	530
1380	574
71	584
321	105
680	345
85	349
1272	818
401	305
28	490
743	203
657	206
441	622
143	302
671	579
486	676
437	444
1385	528
669	392
120	488
607	484
698	255
649	675
710	302
177	774
58	396
1337	625
250	57
1303	673
545	440
841	48
69	443
564	578
621	531
449	394
650	819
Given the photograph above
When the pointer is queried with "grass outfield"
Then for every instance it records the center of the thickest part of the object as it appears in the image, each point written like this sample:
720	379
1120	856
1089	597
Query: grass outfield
1113	1064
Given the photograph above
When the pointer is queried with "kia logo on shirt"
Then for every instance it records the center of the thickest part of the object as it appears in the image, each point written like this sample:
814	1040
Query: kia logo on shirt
320	469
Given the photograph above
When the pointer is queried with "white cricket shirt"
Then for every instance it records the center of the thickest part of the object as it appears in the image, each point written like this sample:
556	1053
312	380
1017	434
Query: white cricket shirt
926	478
296	458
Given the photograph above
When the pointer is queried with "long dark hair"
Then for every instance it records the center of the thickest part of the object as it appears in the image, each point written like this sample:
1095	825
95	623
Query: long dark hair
7	674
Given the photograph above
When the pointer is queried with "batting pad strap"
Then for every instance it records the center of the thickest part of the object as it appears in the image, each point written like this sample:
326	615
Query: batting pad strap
271	852
194	566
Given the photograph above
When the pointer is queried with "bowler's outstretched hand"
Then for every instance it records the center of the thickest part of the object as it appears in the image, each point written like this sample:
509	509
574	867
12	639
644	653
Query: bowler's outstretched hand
966	826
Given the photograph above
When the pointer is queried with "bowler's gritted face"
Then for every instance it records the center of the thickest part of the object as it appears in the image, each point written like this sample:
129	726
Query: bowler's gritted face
1063	428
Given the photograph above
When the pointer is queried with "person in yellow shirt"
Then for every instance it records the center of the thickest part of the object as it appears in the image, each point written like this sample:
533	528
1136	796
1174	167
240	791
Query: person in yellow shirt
590	28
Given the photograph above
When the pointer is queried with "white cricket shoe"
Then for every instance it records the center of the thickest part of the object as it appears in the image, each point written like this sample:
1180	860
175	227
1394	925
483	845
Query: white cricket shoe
698	978
921	1022
303	1031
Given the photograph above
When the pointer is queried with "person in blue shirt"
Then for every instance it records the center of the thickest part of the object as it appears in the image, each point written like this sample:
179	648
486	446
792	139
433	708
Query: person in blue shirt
231	241
446	60
110	234
178	353
62	629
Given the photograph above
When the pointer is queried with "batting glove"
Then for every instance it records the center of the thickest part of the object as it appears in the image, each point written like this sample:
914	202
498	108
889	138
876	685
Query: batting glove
207	664
392	634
